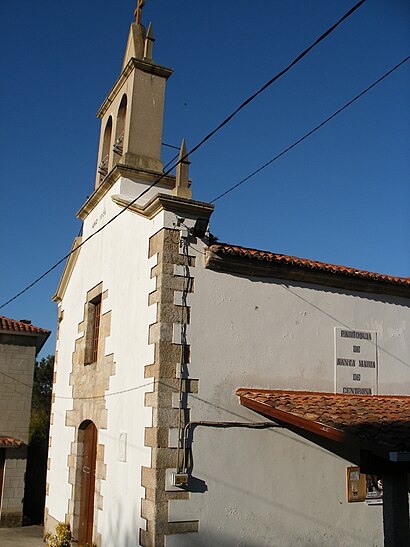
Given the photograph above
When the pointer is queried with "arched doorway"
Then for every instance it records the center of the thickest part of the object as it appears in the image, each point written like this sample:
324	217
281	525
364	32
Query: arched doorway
88	433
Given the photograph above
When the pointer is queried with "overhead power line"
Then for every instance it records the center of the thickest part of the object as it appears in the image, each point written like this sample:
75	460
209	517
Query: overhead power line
170	146
262	167
194	149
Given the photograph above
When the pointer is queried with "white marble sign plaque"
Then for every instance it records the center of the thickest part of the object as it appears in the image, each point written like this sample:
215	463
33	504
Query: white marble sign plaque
355	361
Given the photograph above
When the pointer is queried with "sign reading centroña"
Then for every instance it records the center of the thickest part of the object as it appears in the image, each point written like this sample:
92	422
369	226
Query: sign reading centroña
355	361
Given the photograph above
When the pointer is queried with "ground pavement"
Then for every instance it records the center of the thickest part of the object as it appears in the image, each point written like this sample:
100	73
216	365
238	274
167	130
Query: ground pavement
27	536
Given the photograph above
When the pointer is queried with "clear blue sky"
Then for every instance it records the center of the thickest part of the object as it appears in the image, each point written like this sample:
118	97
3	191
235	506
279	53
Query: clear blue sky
342	196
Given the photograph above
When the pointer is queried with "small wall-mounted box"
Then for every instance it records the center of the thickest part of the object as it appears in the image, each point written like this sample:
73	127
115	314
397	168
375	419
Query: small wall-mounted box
179	479
356	484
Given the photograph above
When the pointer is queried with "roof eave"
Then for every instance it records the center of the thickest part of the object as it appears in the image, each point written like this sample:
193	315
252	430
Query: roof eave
286	417
68	270
218	261
40	337
298	423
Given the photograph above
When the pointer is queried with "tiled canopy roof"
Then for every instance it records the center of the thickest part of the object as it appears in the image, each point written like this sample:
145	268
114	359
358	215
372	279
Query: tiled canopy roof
305	264
9	442
383	420
20	326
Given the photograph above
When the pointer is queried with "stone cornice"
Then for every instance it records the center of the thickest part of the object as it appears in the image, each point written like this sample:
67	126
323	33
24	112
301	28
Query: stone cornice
166	202
121	171
68	270
133	63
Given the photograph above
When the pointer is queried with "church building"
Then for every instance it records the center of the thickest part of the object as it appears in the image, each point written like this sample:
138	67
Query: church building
208	394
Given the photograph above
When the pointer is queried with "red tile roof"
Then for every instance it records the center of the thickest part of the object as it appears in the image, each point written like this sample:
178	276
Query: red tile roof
305	264
20	326
9	442
377	419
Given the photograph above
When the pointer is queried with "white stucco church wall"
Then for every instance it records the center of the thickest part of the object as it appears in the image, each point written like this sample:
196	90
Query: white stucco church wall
272	487
119	258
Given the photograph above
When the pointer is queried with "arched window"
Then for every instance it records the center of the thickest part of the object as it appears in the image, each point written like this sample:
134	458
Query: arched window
103	166
120	127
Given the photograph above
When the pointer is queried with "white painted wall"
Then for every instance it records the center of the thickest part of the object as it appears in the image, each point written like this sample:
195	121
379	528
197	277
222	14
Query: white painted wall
118	256
272	487
281	335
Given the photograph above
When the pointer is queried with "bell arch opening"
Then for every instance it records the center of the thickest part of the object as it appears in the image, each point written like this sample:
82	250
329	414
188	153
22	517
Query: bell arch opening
118	146
105	152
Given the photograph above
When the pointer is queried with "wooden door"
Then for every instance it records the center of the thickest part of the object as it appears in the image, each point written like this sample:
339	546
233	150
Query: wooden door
2	460
85	532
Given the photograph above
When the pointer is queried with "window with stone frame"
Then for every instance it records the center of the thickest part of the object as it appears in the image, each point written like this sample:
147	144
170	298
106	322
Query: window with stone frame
93	325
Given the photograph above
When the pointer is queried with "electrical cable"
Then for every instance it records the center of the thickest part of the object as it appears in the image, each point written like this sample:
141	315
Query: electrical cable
174	157
310	132
15	380
222	424
192	151
170	146
91	397
277	76
184	243
172	160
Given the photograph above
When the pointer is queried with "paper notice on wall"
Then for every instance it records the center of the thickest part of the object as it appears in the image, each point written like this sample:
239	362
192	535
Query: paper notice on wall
355	361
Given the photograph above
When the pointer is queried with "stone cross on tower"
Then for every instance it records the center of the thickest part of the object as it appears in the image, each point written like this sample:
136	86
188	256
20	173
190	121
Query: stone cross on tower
138	11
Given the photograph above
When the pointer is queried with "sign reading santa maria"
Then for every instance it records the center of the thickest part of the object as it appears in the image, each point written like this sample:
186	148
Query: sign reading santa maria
355	361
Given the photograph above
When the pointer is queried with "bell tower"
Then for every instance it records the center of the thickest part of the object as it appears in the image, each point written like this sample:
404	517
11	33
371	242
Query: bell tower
131	115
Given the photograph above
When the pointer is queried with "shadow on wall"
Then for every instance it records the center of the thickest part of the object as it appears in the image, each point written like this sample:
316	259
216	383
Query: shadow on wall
280	523
280	535
393	434
221	539
380	439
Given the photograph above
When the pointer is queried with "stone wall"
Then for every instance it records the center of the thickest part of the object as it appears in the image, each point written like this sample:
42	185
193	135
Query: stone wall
17	367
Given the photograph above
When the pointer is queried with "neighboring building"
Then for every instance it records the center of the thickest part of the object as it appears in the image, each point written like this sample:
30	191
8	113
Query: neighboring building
159	329
20	342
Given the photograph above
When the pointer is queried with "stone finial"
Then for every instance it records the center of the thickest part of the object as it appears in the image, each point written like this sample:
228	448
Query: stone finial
135	43
138	11
182	188
149	44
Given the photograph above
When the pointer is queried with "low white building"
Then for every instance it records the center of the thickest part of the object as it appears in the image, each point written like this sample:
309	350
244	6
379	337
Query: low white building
162	334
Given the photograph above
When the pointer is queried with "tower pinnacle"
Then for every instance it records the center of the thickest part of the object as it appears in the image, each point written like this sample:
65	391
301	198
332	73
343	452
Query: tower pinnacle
138	11
182	186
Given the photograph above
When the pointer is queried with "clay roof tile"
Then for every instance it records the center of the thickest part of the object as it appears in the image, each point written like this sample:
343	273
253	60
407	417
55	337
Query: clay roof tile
381	419
303	263
12	325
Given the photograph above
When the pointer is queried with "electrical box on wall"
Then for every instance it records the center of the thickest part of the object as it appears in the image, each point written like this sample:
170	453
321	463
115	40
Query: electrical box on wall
179	479
356	484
